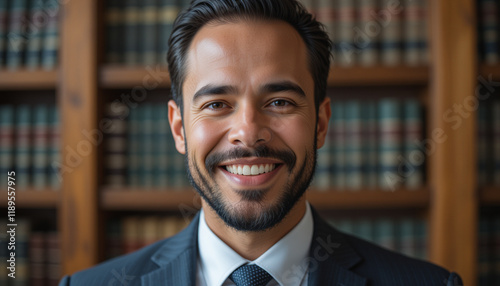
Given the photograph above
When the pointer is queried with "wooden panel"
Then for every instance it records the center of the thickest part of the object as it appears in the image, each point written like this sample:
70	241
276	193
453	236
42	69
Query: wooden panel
378	76
31	198
113	76
26	79
451	137
490	196
161	199
493	70
80	135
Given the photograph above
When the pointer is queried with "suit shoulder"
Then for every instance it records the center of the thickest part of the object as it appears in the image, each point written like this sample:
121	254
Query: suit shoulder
129	268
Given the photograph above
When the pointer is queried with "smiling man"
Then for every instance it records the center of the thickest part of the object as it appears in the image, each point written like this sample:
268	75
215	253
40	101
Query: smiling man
249	112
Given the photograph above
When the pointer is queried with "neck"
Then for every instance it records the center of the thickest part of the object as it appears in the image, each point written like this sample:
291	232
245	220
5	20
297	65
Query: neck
251	245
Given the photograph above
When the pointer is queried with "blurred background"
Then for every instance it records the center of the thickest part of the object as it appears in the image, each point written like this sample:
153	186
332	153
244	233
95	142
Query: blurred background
411	162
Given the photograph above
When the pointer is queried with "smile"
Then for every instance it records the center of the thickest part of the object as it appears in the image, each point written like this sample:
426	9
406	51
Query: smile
250	170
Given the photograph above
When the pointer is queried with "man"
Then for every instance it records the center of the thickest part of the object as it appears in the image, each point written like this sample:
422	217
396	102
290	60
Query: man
249	112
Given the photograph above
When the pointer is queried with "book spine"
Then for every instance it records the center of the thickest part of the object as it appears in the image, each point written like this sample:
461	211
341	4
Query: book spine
53	258
133	147
132	20
131	234
345	49
148	27
34	45
484	252
16	39
179	171
4	253
23	146
390	144
150	230
482	145
116	146
40	146
370	143
114	246
353	149
23	231
55	150
161	145
391	52
338	146
168	11
147	158
490	30
496	142
37	259
413	157
368	33
325	13
385	233
407	235
51	35
364	229
6	141
421	239
4	19
411	32
114	28
323	176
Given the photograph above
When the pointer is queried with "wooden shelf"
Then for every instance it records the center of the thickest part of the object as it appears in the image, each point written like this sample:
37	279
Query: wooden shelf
161	199
378	76
31	198
369	199
493	70
490	195
118	76
27	79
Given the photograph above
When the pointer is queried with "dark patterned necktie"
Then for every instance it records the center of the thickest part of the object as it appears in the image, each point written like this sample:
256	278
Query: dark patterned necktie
250	275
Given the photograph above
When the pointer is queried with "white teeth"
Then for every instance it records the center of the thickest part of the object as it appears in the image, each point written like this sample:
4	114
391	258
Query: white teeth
248	170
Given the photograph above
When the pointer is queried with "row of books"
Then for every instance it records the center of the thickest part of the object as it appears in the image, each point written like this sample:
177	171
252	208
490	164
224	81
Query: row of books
375	32
140	150
489	250
488	146
127	234
406	235
138	30
37	256
29	33
29	145
489	30
373	144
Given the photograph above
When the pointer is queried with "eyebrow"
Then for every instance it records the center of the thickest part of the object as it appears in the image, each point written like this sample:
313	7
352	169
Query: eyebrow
273	87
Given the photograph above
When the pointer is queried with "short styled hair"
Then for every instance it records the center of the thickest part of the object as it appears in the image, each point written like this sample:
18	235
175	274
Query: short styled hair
202	12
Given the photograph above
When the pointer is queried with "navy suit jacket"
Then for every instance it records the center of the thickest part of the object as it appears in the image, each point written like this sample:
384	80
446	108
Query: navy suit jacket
335	258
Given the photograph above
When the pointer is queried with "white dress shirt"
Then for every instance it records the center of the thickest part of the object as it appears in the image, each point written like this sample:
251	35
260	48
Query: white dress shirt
286	261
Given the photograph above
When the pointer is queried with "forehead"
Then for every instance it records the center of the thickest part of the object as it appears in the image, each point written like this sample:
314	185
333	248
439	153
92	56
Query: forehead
244	47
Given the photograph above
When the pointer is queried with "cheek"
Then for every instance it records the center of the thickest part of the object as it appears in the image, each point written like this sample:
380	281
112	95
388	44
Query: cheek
296	132
203	136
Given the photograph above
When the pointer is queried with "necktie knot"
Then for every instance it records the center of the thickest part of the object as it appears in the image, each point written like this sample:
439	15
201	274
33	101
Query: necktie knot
250	275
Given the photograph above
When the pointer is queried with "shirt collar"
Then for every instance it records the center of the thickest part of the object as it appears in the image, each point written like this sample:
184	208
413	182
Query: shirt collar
285	260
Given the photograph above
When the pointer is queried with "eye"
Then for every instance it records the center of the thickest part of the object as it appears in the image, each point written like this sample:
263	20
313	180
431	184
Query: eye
280	103
216	105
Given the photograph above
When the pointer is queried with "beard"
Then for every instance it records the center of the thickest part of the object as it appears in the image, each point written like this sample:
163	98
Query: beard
299	179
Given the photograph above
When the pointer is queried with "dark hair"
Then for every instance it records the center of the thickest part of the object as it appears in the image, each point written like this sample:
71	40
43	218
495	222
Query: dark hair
201	12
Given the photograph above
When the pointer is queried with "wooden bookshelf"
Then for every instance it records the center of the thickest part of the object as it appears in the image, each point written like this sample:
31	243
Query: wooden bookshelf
118	76
490	196
34	198
493	70
28	79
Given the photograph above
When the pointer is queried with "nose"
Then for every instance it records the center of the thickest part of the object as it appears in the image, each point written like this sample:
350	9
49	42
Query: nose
249	127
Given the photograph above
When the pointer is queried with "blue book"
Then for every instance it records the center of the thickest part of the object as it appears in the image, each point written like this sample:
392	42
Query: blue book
161	146
148	27
346	49
115	22
168	11
146	142
55	178
131	46
385	233
390	134
6	142
16	37
32	58
40	146
353	145
323	177
51	35
23	160
370	144
421	239
4	19
367	39
414	159
364	229
391	38
338	146
407	237
490	30
116	146
133	147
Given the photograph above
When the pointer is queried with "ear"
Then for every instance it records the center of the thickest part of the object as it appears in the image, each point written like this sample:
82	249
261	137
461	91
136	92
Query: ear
324	114
175	120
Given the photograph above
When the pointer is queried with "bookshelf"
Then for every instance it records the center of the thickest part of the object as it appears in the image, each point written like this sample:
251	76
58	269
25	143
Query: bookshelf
450	204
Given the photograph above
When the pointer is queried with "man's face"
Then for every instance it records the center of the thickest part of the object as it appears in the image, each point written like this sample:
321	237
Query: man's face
249	122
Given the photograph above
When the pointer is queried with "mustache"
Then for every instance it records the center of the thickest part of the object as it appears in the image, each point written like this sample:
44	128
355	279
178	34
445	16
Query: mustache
213	160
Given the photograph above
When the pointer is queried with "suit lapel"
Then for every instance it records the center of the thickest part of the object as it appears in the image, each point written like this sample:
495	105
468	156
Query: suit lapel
176	259
331	257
